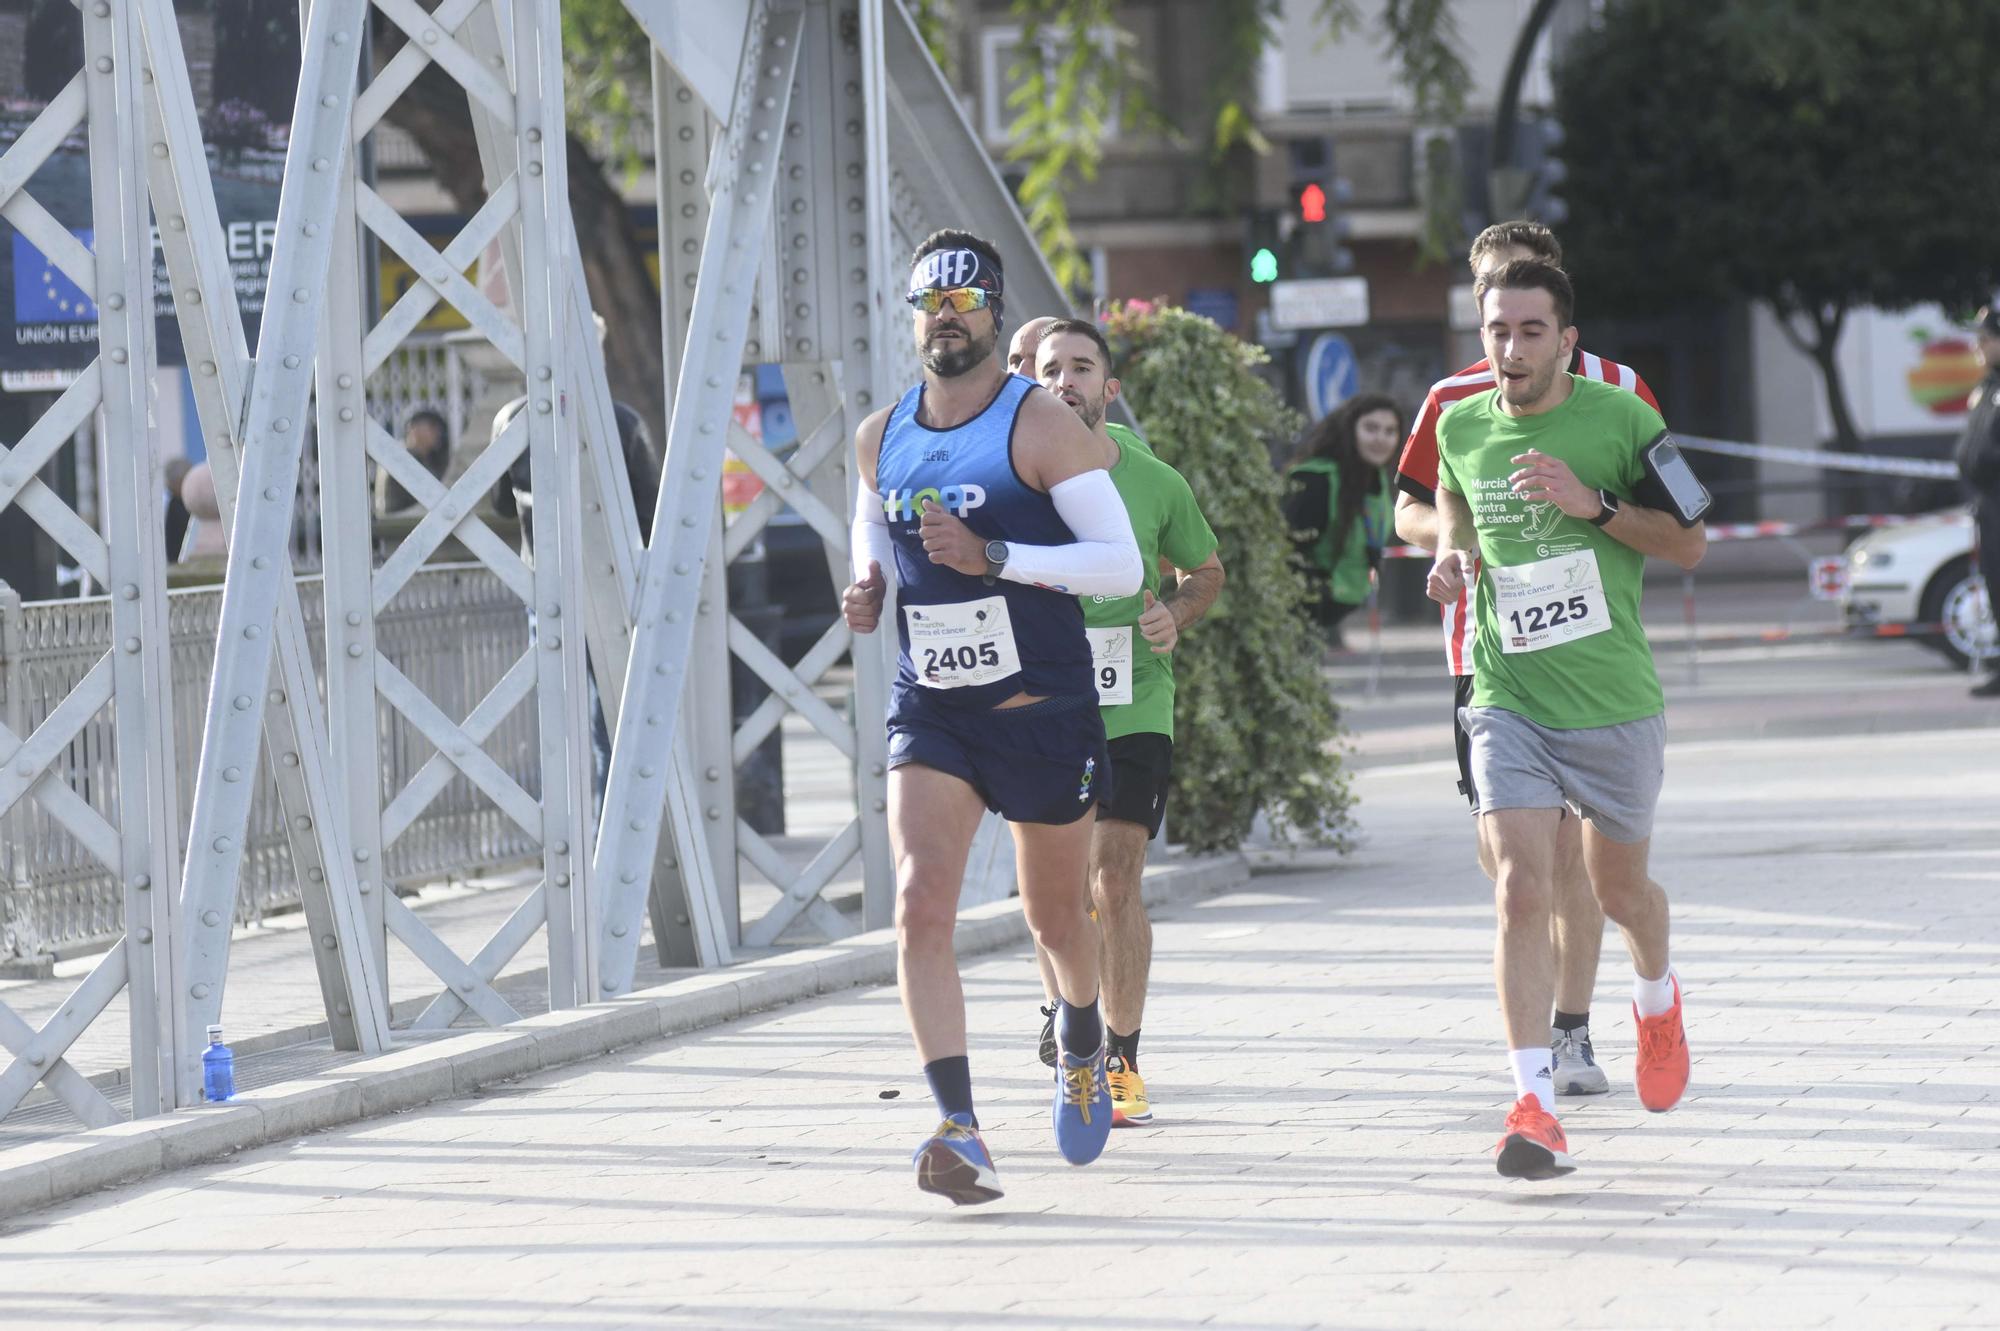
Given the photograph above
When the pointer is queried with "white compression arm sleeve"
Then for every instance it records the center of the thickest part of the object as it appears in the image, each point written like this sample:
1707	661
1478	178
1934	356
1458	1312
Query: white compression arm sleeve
1104	558
868	538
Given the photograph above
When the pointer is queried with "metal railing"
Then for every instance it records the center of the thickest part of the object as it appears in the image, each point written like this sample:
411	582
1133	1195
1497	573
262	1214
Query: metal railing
454	631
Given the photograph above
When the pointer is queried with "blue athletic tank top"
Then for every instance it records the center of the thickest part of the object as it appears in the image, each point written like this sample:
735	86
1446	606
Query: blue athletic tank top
969	470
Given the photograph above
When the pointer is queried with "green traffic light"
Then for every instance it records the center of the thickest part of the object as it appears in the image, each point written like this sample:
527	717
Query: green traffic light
1263	266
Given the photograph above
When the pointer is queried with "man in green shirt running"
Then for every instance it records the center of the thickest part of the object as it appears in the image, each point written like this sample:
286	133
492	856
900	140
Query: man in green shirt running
1534	490
1132	641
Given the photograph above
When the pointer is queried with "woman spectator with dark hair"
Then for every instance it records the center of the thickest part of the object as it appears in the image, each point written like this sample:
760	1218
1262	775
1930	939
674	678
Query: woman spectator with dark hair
1340	502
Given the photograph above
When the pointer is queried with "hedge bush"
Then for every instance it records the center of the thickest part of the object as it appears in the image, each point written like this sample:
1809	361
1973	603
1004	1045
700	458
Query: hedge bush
1255	726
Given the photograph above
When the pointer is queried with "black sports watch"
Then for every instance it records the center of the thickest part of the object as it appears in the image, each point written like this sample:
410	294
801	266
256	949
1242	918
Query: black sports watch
996	559
1608	511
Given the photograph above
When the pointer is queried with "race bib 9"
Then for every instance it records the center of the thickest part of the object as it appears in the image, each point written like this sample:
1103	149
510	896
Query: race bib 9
1548	602
963	645
1111	663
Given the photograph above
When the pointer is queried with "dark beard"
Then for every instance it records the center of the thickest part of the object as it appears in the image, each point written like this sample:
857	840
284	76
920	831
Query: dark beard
948	362
1091	413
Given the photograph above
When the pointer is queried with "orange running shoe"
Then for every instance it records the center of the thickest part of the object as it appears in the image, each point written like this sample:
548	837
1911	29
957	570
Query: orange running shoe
1661	1069
1533	1147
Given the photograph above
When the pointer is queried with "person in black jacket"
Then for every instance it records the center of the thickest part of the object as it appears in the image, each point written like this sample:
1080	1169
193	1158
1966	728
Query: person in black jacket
1978	458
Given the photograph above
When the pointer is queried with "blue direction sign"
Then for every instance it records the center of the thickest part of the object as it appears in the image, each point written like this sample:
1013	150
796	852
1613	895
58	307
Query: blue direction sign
1332	375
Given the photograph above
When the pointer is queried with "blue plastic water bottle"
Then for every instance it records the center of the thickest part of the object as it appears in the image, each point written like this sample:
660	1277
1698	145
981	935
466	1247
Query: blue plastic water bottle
218	1069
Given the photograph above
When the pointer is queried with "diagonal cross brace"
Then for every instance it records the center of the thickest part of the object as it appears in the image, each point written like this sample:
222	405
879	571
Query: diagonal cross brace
743	172
273	434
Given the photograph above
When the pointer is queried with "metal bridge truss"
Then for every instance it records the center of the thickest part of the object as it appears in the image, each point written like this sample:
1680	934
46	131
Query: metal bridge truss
783	228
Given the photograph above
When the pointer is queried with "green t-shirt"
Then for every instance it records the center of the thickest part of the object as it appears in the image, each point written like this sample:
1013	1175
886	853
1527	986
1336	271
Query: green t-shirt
1167	522
1541	641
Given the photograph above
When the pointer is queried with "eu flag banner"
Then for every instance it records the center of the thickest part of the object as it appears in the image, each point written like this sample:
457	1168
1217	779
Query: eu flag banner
43	293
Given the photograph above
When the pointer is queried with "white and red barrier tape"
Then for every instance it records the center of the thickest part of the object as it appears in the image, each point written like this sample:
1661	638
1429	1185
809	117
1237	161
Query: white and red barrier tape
1754	531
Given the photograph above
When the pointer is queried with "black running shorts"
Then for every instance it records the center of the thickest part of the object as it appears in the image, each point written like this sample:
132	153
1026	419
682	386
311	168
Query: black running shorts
1141	767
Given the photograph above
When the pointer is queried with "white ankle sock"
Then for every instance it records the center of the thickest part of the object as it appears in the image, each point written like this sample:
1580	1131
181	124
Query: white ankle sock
1653	997
1533	1075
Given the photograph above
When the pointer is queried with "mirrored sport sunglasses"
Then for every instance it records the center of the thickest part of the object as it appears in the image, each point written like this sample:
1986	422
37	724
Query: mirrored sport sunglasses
962	299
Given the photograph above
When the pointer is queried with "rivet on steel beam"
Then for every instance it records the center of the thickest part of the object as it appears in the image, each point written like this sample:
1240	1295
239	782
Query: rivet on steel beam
38	1058
555	641
617	931
208	368
364	887
430	36
221	845
361	855
713	774
271	493
199	991
345	381
232	774
159	150
543	406
699	473
534	168
653	718
276	697
646	771
354	619
291	362
329	100
354	650
714	815
282	424
299	297
628	877
329	942
342	1009
303	823
346	414
253	632
145	935
340	39
118	355
242	702
562	880
608	986
101	9
681	568
142	881
115	301
559	847
290	760
317	875
211	918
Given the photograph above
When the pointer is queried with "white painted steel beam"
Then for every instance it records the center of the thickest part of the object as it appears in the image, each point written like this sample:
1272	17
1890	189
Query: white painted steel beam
741	174
256	574
192	243
148	803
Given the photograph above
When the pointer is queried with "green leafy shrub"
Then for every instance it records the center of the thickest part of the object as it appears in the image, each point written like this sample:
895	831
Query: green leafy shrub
1254	724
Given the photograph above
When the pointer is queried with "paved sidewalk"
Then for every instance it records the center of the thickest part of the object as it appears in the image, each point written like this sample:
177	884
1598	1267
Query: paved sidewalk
1329	1080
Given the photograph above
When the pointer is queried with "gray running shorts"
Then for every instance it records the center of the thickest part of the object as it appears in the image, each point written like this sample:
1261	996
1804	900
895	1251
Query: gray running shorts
1611	775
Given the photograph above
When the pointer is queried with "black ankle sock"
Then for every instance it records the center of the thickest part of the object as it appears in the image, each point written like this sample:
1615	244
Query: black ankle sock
1569	1021
1124	1046
951	1086
1080	1029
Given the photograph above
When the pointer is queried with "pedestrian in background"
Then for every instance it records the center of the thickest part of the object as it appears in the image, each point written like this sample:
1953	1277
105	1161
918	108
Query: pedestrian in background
1978	458
428	438
1340	503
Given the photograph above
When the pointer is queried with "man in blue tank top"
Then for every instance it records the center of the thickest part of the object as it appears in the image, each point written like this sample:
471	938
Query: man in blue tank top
992	505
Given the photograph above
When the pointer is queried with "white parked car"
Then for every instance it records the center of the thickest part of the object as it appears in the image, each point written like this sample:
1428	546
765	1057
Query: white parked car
1918	576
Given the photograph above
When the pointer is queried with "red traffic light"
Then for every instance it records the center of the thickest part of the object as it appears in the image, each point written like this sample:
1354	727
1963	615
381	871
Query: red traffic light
1312	204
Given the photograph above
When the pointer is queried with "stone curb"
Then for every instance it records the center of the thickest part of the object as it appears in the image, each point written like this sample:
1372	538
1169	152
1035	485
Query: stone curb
42	1173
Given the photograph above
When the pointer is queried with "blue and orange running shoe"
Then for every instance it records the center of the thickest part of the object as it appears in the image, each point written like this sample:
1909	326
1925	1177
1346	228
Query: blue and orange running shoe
1083	1107
953	1163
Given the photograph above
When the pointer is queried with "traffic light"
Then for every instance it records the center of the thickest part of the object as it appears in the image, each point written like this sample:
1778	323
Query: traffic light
1317	191
1262	243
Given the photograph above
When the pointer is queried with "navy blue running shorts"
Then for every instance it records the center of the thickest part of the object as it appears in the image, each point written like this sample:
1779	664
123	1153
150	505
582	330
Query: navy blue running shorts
1041	763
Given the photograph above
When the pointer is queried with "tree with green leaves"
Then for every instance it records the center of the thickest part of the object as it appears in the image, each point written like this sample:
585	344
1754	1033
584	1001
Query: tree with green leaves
1255	727
1815	155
